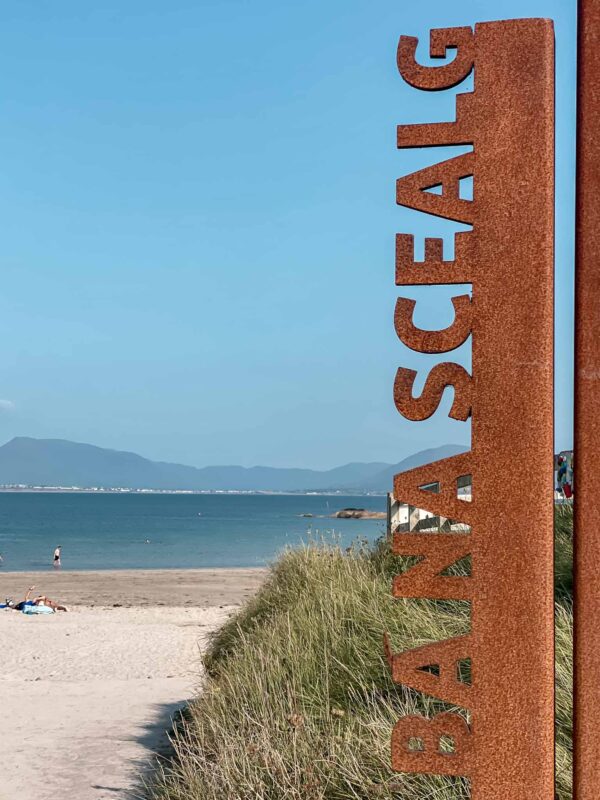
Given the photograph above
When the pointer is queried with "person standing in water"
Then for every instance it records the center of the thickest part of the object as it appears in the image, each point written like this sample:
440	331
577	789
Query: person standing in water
57	557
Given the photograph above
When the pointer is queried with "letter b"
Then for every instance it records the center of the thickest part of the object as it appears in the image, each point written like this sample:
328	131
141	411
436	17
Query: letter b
428	737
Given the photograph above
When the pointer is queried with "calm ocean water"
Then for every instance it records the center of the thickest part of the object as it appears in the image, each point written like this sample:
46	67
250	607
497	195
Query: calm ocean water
110	531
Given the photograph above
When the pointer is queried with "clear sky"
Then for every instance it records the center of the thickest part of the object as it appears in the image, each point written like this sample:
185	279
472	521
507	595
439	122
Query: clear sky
197	225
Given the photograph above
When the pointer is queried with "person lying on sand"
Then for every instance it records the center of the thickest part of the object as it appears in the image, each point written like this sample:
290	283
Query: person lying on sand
40	600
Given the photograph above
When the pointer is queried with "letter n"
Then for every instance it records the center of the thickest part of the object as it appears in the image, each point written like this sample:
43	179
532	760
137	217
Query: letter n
424	579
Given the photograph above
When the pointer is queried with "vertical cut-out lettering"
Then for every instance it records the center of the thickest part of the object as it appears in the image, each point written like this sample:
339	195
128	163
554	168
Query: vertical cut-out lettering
444	76
434	269
411	190
431	758
438	551
440	377
409	669
424	341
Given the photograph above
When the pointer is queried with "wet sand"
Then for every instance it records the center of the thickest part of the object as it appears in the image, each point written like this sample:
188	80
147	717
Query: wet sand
137	587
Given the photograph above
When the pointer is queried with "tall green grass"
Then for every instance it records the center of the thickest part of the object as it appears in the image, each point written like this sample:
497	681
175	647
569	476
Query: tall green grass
298	703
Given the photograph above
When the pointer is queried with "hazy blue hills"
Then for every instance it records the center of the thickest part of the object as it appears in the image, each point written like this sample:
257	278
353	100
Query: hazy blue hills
58	462
382	481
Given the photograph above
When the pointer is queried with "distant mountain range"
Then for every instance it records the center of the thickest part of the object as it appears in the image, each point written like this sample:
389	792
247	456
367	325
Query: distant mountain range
58	462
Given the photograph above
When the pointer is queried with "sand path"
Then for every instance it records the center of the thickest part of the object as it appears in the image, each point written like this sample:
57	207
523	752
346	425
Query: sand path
86	697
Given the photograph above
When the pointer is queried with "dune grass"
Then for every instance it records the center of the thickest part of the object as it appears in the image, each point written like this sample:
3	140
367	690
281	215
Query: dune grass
298	703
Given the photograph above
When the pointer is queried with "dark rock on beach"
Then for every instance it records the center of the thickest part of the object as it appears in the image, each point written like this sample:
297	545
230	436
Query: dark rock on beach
359	513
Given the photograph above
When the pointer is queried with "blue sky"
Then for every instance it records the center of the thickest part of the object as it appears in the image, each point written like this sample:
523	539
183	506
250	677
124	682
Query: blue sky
198	219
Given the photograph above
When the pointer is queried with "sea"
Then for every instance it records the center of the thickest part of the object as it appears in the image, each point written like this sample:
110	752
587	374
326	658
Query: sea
178	531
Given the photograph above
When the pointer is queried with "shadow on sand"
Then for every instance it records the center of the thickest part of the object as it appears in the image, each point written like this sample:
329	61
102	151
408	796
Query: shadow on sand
154	738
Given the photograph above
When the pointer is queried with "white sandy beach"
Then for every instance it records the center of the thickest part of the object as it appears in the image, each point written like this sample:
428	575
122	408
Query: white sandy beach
87	696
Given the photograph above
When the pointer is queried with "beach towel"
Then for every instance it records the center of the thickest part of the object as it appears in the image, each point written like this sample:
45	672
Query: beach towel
38	610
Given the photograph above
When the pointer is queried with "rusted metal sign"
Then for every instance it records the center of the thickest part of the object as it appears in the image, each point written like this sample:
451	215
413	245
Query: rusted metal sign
586	694
507	747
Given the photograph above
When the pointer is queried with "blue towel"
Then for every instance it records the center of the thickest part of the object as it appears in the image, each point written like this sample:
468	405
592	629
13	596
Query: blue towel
38	610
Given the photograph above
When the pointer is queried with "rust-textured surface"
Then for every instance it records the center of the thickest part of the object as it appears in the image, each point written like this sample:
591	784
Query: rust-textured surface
433	341
410	189
586	777
408	668
430	733
442	375
442	77
507	749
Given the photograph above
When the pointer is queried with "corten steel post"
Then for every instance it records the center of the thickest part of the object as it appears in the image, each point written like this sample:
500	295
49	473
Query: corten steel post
507	750
586	717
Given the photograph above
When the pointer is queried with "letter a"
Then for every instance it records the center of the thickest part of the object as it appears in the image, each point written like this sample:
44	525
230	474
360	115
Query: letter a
408	669
445	472
411	190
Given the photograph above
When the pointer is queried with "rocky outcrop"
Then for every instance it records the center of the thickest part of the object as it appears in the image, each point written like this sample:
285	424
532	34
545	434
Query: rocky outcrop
359	513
